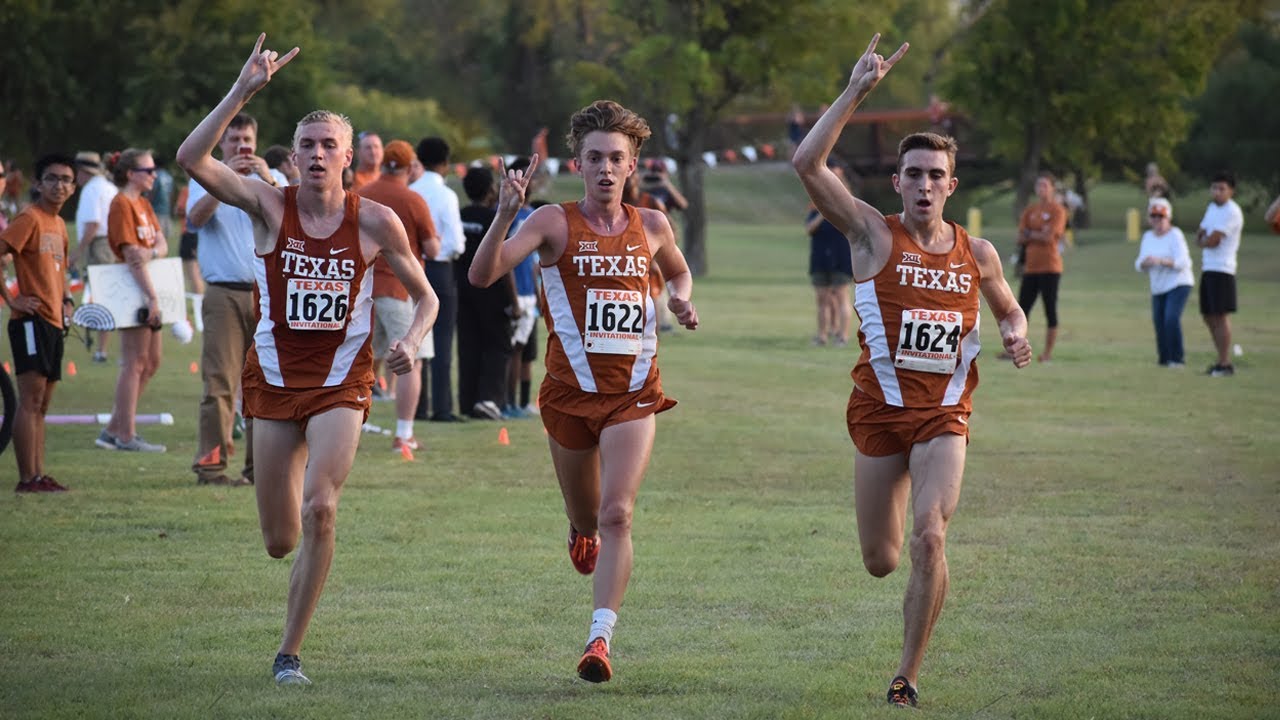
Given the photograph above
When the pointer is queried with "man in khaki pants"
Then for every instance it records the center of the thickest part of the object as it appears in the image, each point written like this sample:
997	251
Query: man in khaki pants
226	258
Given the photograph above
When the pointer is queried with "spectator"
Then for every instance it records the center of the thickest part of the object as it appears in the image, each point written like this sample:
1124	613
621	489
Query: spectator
161	196
1219	236
392	310
227	266
484	313
1163	255
283	169
92	248
1154	183
134	233
188	244
830	273
368	160
1040	232
433	152
37	238
524	325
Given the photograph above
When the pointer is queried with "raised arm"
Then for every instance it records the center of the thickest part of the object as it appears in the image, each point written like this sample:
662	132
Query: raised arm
497	253
1009	315
196	153
851	216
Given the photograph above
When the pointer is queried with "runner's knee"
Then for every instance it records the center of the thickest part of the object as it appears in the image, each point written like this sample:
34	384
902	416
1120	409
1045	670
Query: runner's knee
280	543
318	516
928	547
615	518
880	561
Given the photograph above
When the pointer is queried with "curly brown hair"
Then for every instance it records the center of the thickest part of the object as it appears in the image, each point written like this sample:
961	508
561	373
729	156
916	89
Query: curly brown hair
606	116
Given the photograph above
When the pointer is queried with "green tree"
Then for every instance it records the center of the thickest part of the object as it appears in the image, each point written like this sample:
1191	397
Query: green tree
691	61
93	75
1236	122
1079	84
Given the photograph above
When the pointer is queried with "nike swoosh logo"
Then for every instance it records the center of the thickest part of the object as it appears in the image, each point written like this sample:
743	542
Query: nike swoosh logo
361	398
963	421
954	266
335	251
632	248
645	405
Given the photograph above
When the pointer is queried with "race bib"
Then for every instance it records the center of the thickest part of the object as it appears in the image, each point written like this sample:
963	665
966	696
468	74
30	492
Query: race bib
317	304
929	341
615	322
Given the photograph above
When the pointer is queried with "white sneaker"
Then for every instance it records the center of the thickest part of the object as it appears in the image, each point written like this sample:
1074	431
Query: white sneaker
288	671
487	408
137	444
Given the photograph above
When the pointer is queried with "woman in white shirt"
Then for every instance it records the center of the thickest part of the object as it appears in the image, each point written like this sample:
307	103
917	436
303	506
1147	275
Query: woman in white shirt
1167	262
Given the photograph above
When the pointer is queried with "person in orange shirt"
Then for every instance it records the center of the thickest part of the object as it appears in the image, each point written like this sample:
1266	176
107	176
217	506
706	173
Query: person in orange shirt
368	160
918	281
133	232
601	391
37	239
392	310
308	376
1040	233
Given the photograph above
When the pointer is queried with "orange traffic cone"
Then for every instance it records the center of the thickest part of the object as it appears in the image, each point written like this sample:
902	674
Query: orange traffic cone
213	457
406	452
503	438
195	367
71	368
7	368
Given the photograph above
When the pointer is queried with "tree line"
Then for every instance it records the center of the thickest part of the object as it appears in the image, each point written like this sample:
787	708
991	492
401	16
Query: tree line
1088	87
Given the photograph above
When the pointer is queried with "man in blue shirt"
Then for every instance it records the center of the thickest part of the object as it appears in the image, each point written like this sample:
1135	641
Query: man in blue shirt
226	256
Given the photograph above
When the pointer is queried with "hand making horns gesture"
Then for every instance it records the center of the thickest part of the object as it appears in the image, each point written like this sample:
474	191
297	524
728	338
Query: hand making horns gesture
514	185
261	65
871	67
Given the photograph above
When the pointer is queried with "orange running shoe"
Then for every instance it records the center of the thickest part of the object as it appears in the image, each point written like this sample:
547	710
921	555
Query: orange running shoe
583	551
594	665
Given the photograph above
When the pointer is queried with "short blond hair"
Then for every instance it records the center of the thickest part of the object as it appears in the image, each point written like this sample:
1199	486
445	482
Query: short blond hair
321	116
606	116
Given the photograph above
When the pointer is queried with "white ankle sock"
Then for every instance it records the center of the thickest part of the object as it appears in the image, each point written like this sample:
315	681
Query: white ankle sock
404	429
602	621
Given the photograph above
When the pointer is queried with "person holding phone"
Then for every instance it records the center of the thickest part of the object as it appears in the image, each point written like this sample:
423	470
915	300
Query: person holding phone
225	255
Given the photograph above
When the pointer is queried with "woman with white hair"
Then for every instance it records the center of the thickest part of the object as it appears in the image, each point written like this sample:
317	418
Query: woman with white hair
1167	262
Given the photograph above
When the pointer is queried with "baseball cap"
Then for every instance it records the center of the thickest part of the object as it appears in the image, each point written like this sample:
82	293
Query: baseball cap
1159	207
90	161
397	154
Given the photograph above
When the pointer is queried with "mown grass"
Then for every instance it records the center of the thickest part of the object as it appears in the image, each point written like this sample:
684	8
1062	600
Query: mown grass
1114	554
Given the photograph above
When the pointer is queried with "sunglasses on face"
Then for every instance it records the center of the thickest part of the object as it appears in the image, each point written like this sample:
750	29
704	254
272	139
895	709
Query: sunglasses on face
63	179
148	170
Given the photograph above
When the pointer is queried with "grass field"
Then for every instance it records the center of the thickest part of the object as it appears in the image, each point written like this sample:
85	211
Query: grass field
1116	553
